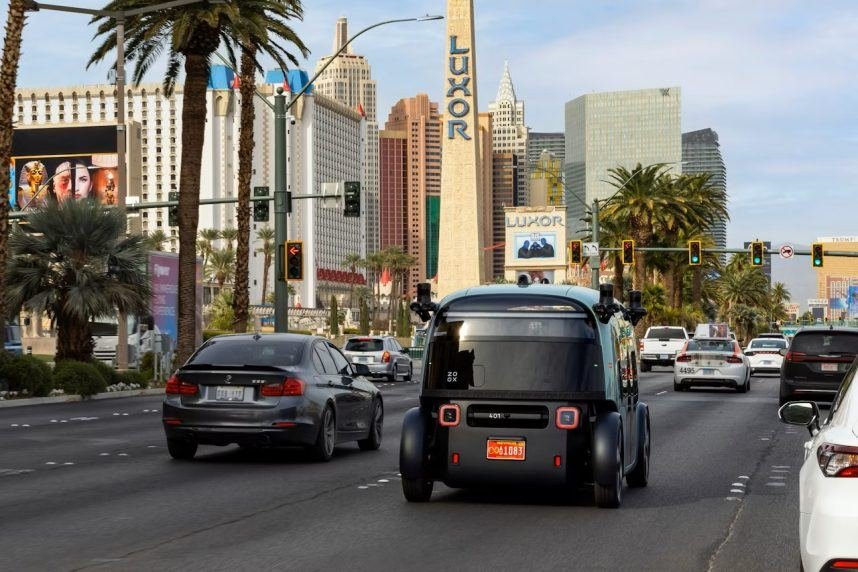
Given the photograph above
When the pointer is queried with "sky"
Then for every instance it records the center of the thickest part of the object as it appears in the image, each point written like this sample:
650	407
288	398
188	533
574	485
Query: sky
775	78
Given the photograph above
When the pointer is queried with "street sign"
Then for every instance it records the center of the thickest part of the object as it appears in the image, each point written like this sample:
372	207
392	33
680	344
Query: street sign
332	192
786	251
817	302
591	249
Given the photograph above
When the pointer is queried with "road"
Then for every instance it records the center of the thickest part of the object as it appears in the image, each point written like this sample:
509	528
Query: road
89	486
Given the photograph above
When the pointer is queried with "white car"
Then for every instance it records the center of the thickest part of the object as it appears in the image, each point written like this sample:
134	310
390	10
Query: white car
713	362
764	354
828	481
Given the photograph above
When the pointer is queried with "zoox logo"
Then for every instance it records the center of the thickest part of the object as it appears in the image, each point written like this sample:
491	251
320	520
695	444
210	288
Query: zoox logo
458	107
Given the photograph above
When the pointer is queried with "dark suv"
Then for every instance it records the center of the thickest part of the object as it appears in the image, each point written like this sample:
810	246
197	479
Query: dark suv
816	361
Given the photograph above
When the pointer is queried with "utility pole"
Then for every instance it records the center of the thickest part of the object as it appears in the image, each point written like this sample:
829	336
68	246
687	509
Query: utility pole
595	261
281	215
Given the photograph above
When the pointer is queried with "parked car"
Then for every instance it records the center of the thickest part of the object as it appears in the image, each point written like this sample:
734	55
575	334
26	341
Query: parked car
828	480
713	362
764	354
272	389
383	355
816	361
660	345
528	386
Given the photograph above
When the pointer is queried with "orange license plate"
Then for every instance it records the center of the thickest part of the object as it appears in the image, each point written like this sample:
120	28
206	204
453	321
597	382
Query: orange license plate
505	449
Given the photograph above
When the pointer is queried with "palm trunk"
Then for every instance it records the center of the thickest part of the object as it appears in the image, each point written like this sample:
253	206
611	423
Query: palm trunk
619	270
194	107
267	263
640	271
678	276
74	339
697	287
15	20
241	294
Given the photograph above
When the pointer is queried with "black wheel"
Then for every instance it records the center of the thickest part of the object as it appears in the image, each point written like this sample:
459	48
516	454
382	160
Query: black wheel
323	449
373	441
410	375
181	450
417	490
639	477
645	366
611	496
678	386
744	387
784	397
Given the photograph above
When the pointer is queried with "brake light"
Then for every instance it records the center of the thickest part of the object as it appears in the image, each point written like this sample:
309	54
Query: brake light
640	346
176	387
567	417
385	357
795	356
734	359
838	460
448	415
843	565
683	357
291	387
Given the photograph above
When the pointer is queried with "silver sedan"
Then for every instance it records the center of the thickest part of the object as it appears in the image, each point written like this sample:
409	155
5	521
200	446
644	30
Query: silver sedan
713	362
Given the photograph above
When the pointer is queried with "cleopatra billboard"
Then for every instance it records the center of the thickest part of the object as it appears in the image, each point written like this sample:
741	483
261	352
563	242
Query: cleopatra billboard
62	163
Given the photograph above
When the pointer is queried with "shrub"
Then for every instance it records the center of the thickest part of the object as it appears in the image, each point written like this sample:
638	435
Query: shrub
351	331
27	373
137	377
207	334
79	378
146	367
110	375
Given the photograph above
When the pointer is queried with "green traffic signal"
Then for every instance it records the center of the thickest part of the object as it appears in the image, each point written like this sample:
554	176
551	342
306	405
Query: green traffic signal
695	259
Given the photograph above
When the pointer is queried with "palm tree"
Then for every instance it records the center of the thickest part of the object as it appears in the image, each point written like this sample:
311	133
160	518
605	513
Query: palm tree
266	235
229	234
190	35
75	264
15	20
155	240
352	262
288	9
221	267
206	243
741	286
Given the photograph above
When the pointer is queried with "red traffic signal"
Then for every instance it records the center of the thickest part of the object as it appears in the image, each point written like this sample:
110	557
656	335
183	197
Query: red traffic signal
576	252
628	252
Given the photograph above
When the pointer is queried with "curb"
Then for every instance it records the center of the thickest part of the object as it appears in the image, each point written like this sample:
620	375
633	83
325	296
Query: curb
75	398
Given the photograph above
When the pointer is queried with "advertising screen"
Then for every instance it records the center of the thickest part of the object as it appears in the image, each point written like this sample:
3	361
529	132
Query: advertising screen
535	238
63	163
842	297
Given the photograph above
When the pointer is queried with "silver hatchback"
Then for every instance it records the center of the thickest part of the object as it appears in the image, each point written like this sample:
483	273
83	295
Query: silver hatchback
383	355
717	362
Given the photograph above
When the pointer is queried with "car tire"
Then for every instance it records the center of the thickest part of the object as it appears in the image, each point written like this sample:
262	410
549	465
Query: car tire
417	490
410	375
639	477
373	441
323	449
784	397
744	387
181	449
678	386
645	367
611	496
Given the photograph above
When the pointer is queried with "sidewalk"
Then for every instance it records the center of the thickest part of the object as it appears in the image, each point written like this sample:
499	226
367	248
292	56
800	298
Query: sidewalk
74	398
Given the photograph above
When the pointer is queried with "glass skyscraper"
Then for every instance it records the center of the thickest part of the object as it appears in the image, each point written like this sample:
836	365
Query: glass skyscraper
701	153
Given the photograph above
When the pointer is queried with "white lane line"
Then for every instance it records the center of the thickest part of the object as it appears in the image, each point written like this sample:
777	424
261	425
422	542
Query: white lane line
775	484
738	485
68	463
383	481
764	439
11	472
122	455
13	425
104	454
63	421
125	415
661	392
740	491
780	470
115	414
363	487
775	477
734	498
54	421
50	463
746	477
782	466
25	425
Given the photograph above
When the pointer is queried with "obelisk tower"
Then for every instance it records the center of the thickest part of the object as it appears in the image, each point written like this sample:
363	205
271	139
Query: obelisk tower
460	248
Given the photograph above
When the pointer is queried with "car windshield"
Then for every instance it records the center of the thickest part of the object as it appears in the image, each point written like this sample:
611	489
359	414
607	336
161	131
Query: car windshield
248	352
364	345
704	345
666	334
768	343
826	342
540	352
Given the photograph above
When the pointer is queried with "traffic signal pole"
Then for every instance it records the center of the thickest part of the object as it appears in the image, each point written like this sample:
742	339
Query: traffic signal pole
281	215
595	261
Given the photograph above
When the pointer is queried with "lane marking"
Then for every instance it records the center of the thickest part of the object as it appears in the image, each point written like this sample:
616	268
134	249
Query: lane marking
777	477
775	484
744	477
661	392
737	491
383	481
738	485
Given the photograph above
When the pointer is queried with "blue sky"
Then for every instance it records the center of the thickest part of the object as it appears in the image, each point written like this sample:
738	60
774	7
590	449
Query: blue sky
776	78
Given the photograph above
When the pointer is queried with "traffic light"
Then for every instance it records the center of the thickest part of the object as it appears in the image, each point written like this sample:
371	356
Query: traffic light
576	253
294	260
817	256
695	253
173	213
756	253
351	199
260	208
628	252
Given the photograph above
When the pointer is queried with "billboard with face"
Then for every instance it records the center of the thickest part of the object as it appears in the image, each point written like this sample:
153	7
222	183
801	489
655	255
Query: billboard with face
535	237
63	163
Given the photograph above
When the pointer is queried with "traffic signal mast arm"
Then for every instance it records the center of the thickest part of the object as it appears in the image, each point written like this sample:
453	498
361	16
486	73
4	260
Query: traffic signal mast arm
835	253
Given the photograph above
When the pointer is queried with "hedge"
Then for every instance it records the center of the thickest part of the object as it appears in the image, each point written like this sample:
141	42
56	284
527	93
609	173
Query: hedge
79	378
26	373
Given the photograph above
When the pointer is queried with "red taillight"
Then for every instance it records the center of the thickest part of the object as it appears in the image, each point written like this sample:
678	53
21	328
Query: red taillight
567	417
640	346
734	359
385	357
291	387
844	564
172	421
838	460
795	356
454	459
558	460
448	415
176	387
683	357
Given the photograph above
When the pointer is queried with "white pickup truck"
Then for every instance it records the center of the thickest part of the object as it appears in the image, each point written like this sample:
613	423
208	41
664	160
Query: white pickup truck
660	344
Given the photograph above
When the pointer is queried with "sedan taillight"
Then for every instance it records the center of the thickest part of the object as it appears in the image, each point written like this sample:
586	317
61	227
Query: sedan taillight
176	387
838	460
734	359
291	387
385	357
683	357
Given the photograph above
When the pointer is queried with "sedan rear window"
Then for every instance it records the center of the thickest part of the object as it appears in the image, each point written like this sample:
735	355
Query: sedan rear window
249	351
825	343
768	343
666	334
364	345
704	345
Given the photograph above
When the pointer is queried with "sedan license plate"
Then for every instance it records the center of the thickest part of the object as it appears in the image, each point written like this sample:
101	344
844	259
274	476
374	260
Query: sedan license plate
227	393
829	367
663	356
359	359
707	372
505	449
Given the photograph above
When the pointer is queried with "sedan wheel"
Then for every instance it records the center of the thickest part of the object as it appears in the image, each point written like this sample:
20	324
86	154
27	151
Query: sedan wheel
410	374
373	441
323	449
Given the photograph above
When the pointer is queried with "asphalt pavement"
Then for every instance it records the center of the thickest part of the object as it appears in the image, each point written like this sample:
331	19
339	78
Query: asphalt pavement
90	486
